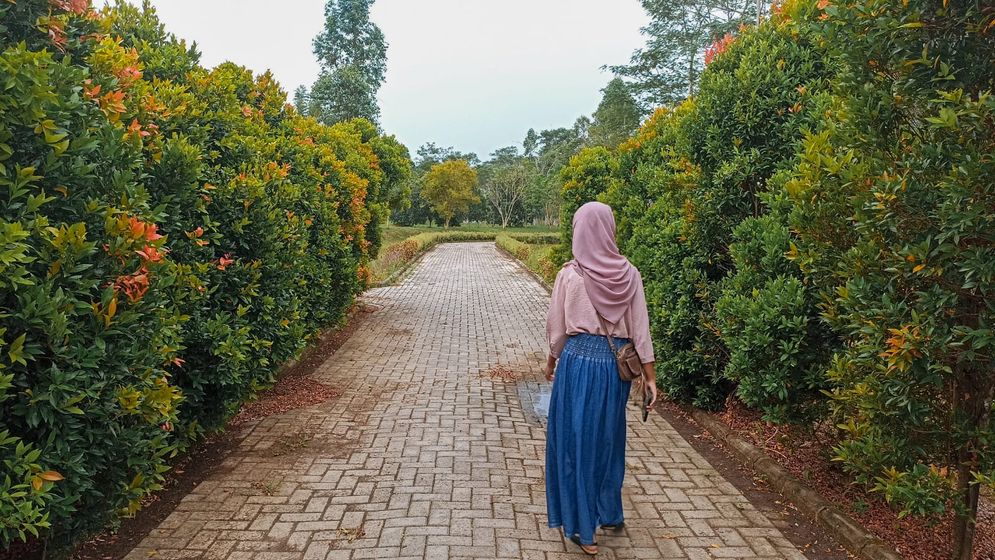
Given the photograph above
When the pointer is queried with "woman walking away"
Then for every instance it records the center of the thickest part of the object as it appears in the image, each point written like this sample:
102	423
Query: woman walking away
596	295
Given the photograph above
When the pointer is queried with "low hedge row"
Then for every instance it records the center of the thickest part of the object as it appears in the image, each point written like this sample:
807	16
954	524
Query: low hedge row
535	251
397	256
169	235
537	238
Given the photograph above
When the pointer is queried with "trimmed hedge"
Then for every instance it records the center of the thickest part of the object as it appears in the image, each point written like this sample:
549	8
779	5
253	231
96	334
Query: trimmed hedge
396	257
170	235
536	238
696	216
814	229
536	252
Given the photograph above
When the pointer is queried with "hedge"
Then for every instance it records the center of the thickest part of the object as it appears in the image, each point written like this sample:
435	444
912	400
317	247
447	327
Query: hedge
537	238
169	236
536	252
396	257
693	197
815	233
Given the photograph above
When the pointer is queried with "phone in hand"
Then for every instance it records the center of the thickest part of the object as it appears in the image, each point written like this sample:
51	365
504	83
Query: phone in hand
647	400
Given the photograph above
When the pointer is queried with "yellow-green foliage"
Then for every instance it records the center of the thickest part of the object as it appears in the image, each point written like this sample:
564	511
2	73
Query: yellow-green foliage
535	252
449	186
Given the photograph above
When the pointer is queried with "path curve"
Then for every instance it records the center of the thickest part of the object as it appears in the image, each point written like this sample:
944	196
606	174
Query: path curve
429	452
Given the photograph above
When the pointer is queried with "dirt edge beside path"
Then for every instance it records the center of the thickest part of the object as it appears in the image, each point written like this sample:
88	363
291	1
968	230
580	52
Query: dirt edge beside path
806	535
859	540
207	456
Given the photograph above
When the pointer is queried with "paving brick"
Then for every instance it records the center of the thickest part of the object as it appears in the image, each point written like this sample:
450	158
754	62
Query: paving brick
425	455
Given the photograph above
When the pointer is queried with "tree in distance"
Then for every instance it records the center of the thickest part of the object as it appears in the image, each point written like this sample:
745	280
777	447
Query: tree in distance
617	117
667	69
449	187
505	181
352	52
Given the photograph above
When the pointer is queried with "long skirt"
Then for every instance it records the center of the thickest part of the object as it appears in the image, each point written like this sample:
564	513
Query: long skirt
585	440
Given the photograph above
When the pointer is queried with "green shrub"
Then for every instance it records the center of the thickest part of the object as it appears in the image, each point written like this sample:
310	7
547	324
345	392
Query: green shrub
169	237
894	211
589	174
769	321
533	253
687	179
536	238
518	249
819	217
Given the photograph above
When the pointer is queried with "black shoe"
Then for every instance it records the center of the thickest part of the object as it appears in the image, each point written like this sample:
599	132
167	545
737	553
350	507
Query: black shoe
614	527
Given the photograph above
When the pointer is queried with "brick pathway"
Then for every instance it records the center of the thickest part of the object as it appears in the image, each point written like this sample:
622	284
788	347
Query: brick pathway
429	453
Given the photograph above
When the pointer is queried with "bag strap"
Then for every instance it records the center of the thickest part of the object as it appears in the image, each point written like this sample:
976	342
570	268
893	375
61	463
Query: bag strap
604	324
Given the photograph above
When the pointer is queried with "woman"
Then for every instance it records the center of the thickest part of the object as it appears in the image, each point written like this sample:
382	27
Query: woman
585	449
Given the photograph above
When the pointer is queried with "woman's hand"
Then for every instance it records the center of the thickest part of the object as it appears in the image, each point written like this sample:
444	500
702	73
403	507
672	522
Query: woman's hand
649	383
550	368
651	389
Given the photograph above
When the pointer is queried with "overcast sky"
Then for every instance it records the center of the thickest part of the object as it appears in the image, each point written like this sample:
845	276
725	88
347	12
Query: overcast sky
472	74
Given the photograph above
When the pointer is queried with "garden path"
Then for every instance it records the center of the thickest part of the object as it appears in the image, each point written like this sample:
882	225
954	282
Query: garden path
430	453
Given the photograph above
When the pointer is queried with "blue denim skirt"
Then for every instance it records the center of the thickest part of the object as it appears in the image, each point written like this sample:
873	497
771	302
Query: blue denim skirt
585	439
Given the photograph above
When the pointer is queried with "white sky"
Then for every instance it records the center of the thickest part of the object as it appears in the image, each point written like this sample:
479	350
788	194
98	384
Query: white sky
472	74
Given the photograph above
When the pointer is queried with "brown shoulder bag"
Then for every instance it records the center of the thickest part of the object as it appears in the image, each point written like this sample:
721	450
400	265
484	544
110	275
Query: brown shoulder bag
630	368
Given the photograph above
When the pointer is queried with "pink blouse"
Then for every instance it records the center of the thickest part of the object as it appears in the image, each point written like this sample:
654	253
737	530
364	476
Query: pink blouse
571	312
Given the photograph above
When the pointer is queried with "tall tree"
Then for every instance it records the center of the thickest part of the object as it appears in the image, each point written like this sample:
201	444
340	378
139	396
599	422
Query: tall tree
546	153
340	95
301	95
449	187
430	154
351	39
352	52
617	117
420	210
504	182
668	67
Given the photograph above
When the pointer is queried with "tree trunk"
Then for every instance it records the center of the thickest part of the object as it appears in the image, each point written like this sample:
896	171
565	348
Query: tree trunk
975	391
965	523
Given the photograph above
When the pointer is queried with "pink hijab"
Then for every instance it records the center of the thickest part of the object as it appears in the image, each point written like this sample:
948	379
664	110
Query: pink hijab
610	278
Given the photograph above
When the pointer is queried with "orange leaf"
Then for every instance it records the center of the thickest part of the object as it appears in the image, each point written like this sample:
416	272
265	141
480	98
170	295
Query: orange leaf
51	476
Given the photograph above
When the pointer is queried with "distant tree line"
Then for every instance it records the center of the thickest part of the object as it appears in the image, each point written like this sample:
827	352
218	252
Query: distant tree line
516	185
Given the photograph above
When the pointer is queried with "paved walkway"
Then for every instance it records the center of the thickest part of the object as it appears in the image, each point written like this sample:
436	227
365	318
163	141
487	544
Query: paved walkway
430	454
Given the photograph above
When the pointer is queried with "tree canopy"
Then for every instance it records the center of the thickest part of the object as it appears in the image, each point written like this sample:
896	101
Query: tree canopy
668	68
352	52
449	187
617	116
